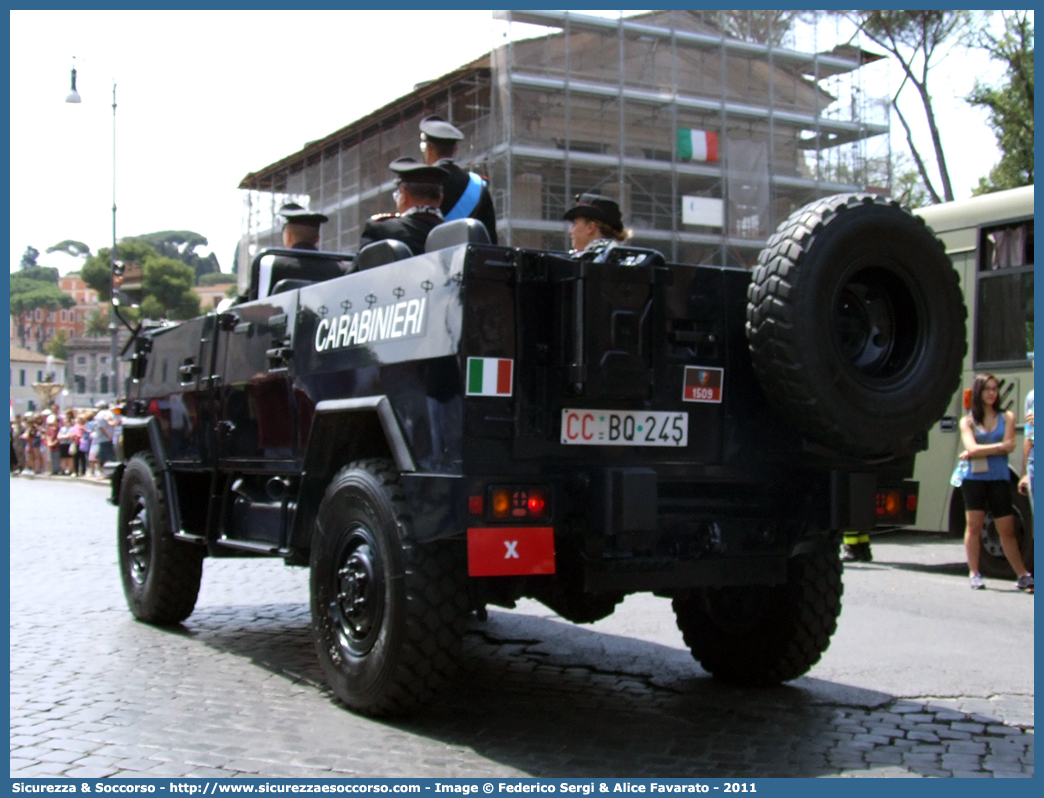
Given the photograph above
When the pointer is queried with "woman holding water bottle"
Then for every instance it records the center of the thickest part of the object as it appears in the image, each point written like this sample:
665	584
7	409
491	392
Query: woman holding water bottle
988	435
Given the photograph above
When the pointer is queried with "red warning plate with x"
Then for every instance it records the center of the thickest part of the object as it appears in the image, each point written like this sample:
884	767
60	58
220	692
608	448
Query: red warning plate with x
511	551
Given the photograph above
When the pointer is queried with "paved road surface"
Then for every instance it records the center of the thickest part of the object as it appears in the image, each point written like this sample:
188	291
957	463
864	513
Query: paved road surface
923	678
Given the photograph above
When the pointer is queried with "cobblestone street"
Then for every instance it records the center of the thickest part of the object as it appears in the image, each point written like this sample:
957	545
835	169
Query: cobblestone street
237	690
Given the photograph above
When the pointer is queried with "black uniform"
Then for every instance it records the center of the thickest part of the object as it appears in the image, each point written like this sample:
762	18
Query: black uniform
453	186
302	268
411	227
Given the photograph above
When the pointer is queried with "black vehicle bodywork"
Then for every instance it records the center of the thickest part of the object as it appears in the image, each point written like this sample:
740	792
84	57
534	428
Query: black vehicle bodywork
625	443
255	408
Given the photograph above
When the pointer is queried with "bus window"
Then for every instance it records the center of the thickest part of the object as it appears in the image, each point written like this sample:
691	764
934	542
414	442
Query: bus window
1004	317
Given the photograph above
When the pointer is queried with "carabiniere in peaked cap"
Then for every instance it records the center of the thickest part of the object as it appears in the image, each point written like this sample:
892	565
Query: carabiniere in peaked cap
293	212
597	208
435	127
413	171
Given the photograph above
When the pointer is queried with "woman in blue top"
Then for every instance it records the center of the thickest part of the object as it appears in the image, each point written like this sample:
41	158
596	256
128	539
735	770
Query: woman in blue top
988	435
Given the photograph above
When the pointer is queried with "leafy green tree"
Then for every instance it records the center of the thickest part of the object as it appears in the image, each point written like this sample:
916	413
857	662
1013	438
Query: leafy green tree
168	282
97	323
97	273
915	39
215	278
76	249
1010	105
35	287
762	26
29	258
56	346
181	245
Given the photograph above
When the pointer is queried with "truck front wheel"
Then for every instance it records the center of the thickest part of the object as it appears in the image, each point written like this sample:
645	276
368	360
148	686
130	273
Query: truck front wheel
161	575
763	635
388	613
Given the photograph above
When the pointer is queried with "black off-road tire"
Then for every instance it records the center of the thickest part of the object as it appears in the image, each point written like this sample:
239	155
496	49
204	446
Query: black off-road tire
160	574
856	324
992	561
388	613
764	635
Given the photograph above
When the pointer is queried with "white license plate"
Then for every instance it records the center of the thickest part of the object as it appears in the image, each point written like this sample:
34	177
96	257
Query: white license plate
624	428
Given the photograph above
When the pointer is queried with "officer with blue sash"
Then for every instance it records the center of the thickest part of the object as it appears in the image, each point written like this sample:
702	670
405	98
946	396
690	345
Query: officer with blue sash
418	191
464	194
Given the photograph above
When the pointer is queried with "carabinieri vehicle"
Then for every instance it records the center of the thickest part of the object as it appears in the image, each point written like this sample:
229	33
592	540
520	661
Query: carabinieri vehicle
430	435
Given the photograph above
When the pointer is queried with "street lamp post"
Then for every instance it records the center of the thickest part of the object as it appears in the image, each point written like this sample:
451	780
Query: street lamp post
114	330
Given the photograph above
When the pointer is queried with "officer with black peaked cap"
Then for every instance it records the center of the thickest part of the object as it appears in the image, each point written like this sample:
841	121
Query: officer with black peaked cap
418	192
300	231
464	194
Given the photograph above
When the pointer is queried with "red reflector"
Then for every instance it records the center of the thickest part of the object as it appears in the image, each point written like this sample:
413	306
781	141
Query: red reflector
911	502
511	551
536	503
475	505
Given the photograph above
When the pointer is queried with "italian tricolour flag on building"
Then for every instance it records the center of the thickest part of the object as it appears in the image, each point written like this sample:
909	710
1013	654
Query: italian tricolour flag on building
490	376
697	145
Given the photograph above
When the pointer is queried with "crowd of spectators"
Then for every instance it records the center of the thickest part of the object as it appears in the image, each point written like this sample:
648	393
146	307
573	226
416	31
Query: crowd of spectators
75	443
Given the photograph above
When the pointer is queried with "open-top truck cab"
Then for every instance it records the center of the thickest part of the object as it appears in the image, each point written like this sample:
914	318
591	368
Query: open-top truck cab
434	434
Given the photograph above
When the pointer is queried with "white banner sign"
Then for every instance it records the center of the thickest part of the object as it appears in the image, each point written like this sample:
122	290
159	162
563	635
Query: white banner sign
707	211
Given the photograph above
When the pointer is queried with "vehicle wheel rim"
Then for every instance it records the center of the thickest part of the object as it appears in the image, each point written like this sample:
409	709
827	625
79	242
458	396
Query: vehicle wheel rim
991	543
876	324
137	541
357	608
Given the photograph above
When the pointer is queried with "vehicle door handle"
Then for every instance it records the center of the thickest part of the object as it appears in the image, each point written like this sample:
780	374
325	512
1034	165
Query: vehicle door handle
225	429
279	356
188	372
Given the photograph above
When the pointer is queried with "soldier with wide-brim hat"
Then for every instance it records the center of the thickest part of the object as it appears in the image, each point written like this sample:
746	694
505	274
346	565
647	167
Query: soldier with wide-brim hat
597	223
418	192
464	194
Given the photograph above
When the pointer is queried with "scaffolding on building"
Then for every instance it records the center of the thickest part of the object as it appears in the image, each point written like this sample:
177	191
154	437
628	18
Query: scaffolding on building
709	128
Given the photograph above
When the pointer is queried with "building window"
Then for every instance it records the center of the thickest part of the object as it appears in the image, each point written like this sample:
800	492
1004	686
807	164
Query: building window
81	383
39	376
103	360
1004	296
21	378
103	383
81	360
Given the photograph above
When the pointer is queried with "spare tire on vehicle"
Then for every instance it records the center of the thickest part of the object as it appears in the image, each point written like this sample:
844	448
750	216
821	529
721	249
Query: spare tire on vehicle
856	324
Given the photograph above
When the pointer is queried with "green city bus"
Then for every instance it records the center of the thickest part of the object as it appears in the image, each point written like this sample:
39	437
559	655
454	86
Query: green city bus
990	240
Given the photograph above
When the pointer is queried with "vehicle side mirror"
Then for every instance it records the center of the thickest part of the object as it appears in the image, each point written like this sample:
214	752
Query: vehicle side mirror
127	284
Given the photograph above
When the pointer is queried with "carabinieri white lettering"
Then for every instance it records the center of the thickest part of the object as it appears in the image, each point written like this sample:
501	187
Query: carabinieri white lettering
383	323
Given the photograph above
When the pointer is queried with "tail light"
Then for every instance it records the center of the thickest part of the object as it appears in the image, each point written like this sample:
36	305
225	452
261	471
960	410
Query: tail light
897	505
519	502
888	504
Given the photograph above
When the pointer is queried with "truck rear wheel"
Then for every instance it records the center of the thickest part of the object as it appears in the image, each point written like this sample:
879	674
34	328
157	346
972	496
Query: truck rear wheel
763	635
388	613
160	575
855	323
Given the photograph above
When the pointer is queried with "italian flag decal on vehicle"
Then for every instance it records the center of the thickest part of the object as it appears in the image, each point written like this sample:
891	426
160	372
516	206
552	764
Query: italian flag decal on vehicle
490	376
